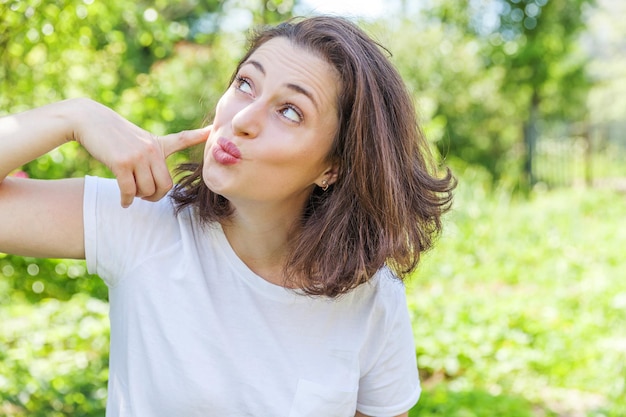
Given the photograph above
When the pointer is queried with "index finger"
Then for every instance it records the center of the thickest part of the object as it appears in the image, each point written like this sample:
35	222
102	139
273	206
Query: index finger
178	141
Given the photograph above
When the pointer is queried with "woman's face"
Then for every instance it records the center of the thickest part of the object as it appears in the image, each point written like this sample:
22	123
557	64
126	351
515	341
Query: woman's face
273	128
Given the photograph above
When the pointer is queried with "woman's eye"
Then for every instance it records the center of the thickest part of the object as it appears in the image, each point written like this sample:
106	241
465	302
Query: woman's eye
243	85
292	114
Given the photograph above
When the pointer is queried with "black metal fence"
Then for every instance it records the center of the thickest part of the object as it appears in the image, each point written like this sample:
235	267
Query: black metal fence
592	155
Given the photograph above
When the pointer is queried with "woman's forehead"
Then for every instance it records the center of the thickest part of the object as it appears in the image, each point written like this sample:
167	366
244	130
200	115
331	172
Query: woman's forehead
297	66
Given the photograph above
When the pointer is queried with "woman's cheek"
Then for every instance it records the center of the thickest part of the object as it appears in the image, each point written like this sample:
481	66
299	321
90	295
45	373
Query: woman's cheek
221	109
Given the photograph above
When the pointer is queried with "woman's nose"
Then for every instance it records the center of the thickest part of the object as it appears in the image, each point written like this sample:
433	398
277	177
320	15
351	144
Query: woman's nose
248	121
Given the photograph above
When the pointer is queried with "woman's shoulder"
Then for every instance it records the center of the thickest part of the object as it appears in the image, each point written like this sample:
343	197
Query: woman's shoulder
383	291
387	282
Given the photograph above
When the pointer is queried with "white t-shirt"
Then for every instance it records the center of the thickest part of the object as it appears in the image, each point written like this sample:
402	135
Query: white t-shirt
194	332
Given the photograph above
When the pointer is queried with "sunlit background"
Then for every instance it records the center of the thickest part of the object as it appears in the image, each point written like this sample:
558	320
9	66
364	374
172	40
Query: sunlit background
520	310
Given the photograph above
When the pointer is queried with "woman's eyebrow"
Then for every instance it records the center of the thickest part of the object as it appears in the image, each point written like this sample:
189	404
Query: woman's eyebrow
303	91
256	65
295	87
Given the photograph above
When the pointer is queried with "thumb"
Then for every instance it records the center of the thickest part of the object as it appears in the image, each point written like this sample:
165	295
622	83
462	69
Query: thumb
175	142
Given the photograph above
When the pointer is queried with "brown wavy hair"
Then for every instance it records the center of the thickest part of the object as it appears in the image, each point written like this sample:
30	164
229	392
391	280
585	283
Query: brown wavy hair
387	202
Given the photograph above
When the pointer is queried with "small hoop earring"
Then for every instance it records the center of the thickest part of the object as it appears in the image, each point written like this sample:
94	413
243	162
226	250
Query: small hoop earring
325	185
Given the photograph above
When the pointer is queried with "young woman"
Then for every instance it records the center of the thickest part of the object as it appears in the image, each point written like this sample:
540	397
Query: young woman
268	283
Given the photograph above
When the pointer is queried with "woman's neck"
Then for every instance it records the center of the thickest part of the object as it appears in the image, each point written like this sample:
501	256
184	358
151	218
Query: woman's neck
260	241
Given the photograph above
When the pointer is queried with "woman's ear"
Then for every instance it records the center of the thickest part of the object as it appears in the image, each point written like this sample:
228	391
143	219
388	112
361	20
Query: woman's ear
328	177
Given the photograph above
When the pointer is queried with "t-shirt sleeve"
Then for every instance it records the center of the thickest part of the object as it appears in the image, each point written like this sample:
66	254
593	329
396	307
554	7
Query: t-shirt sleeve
391	387
118	238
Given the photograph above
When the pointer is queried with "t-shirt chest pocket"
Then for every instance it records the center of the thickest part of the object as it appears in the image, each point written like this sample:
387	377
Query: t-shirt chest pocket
332	392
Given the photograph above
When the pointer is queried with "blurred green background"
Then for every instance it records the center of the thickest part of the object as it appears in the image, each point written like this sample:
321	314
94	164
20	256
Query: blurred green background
520	310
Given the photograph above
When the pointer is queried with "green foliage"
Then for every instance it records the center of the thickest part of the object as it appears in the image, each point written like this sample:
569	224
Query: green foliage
522	302
544	56
53	358
272	11
36	279
442	401
458	97
482	72
73	47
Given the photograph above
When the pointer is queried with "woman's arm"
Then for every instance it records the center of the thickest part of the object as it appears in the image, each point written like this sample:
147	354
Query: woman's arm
43	218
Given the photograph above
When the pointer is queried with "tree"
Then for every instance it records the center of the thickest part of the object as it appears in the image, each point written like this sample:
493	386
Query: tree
529	50
458	96
545	67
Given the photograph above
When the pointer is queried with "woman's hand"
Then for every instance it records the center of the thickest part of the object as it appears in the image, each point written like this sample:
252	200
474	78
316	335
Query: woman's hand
135	156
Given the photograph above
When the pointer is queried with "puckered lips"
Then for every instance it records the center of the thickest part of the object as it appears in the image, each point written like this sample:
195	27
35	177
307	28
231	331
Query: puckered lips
226	152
